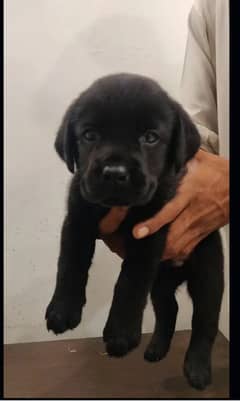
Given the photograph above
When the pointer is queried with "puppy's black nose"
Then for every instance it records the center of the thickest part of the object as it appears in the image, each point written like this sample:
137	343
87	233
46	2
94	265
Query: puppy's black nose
116	173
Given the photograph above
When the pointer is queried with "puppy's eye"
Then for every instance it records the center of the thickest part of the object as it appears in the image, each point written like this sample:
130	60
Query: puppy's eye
150	137
90	136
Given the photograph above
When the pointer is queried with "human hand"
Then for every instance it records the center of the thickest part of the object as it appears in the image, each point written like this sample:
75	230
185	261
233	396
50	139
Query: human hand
200	206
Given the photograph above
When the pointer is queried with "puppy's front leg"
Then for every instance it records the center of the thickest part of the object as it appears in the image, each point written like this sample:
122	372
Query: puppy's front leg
123	328
77	249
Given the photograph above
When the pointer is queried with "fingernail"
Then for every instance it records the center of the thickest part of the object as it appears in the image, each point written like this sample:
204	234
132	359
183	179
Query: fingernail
142	232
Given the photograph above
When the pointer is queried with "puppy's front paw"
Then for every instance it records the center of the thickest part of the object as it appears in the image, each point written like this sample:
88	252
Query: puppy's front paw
197	372
120	346
118	341
156	350
62	315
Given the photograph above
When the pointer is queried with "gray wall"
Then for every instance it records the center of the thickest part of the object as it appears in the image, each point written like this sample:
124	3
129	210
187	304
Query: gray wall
54	49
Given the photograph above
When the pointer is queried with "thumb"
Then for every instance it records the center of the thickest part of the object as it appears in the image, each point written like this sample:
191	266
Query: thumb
112	220
166	215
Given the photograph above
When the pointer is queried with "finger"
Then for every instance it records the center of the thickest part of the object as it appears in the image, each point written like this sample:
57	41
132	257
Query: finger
187	227
175	247
112	220
182	229
167	214
191	246
182	251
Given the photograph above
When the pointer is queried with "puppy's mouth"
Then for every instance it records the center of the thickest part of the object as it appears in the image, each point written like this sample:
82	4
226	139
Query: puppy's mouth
130	199
114	201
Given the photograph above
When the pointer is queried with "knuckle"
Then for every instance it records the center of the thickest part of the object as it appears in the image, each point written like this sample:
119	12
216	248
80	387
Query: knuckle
185	252
171	251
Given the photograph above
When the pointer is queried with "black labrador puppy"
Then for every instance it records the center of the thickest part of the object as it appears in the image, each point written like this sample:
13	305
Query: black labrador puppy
127	143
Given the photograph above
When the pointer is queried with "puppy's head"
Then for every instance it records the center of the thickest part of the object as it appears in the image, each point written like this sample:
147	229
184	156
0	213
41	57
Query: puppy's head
123	134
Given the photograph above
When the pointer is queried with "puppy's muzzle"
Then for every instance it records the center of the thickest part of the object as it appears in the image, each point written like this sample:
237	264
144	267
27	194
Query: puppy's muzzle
119	182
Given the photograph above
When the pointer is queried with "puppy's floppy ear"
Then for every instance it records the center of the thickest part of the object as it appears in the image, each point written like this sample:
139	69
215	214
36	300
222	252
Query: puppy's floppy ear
65	143
185	139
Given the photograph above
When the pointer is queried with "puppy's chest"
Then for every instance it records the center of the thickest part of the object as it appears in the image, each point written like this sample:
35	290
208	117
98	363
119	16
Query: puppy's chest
150	246
142	213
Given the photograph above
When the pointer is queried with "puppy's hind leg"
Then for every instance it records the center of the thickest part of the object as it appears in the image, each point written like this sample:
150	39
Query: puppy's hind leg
165	307
205	286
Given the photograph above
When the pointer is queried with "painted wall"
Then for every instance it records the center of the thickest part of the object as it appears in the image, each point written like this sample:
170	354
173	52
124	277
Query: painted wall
54	50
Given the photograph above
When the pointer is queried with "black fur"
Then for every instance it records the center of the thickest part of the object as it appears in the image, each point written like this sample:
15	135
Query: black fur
106	126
